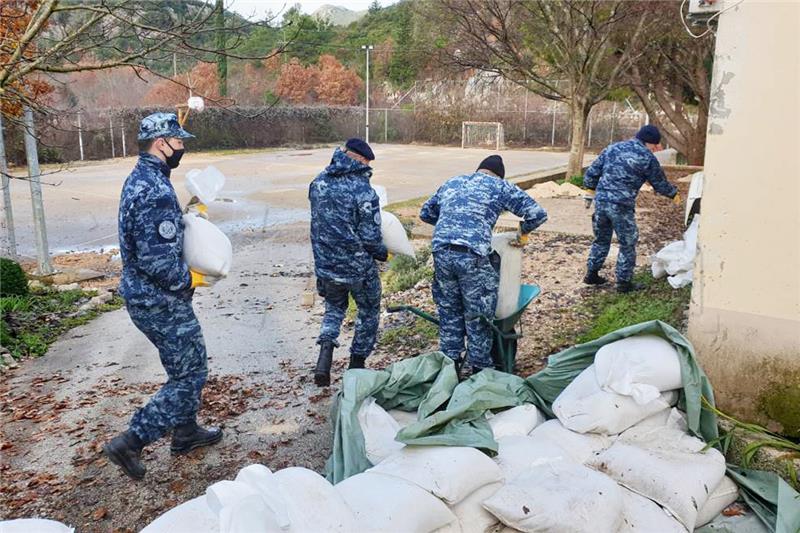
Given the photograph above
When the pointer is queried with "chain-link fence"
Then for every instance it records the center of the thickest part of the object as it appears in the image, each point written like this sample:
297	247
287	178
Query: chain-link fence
103	134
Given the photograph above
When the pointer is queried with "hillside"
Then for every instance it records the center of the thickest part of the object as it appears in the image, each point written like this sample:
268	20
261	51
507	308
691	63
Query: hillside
338	15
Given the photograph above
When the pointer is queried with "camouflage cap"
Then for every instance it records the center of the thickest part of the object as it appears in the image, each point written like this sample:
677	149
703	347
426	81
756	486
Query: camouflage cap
162	125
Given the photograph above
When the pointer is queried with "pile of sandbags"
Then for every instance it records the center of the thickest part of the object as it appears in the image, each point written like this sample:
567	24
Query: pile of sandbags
676	259
551	189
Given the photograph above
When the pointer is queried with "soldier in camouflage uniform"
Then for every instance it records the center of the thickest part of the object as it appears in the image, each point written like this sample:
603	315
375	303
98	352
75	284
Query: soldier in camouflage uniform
346	241
464	211
617	175
157	286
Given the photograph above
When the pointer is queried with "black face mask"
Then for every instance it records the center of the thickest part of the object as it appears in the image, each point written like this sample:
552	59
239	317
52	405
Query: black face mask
175	159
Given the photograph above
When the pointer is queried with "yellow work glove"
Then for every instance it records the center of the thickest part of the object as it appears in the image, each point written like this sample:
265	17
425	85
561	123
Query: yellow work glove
195	206
202	280
520	241
677	199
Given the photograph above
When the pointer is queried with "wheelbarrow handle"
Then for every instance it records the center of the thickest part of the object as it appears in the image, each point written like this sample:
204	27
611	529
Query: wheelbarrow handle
420	313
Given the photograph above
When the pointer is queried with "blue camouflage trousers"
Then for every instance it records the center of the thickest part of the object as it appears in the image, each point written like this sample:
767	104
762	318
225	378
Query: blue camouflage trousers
611	218
174	330
367	295
465	289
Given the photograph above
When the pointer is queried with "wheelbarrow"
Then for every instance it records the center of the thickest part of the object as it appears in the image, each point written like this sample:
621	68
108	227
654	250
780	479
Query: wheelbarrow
505	334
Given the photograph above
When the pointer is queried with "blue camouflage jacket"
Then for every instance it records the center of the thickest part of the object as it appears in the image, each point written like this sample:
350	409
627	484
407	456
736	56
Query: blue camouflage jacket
466	208
151	237
345	221
621	170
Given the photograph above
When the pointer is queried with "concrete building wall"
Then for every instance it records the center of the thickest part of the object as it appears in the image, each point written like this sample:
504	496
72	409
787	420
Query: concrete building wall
745	312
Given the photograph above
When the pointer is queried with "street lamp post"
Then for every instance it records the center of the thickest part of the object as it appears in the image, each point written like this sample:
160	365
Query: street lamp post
367	48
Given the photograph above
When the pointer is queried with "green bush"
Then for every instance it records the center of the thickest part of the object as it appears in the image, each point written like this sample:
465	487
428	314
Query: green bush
405	272
12	279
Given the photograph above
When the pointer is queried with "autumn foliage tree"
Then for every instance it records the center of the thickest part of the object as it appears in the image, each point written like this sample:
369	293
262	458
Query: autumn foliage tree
201	80
328	82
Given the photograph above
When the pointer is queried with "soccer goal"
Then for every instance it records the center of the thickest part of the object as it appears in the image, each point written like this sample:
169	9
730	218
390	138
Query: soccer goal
482	135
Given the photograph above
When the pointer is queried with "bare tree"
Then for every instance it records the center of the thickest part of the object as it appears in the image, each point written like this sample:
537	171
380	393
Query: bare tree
39	38
572	51
673	81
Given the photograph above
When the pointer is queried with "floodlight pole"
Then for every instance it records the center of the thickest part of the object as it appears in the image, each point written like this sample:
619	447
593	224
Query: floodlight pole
367	48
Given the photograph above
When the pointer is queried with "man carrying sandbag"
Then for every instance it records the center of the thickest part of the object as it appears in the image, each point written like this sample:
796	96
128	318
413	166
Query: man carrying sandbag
158	286
464	211
617	175
346	240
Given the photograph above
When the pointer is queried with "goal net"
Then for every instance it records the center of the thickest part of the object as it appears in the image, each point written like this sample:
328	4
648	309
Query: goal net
482	135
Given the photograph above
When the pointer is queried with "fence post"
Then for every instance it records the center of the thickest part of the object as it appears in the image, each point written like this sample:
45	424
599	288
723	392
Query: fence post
111	129
589	137
553	130
386	125
525	118
11	238
80	136
613	120
124	148
463	135
34	178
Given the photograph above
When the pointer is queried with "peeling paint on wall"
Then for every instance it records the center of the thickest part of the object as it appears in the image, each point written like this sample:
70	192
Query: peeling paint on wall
718	111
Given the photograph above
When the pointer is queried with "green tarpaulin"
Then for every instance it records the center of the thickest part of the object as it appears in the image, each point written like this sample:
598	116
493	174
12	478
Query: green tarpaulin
452	413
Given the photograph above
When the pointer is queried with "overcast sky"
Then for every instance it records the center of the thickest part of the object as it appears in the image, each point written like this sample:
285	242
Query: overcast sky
259	8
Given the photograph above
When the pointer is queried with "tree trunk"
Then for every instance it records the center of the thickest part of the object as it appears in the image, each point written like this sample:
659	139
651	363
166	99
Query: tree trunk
222	59
579	112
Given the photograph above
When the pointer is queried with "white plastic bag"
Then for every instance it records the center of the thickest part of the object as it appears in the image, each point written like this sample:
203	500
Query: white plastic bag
517	421
224	493
261	478
586	408
642	367
205	184
205	248
640	515
379	429
470	512
559	496
449	472
189	517
510	274
394	235
390	504
516	455
667	466
314	506
576	447
247	515
31	525
681	279
721	497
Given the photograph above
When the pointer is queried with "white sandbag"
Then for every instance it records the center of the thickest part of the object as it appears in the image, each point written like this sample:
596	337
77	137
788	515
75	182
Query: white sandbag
472	516
224	493
517	421
641	367
246	516
676	259
681	279
394	234
31	525
586	408
313	504
390	504
205	184
657	268
668	418
510	274
667	466
560	496
516	455
404	418
449	472
721	497
206	249
640	515
576	447
379	430
261	478
383	198
193	516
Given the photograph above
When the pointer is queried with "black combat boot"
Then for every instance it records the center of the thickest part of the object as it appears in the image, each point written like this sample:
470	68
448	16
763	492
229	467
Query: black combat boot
593	278
357	362
188	437
628	286
125	451
322	372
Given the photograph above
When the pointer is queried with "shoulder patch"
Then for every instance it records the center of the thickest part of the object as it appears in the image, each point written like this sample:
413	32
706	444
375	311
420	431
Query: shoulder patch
167	230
